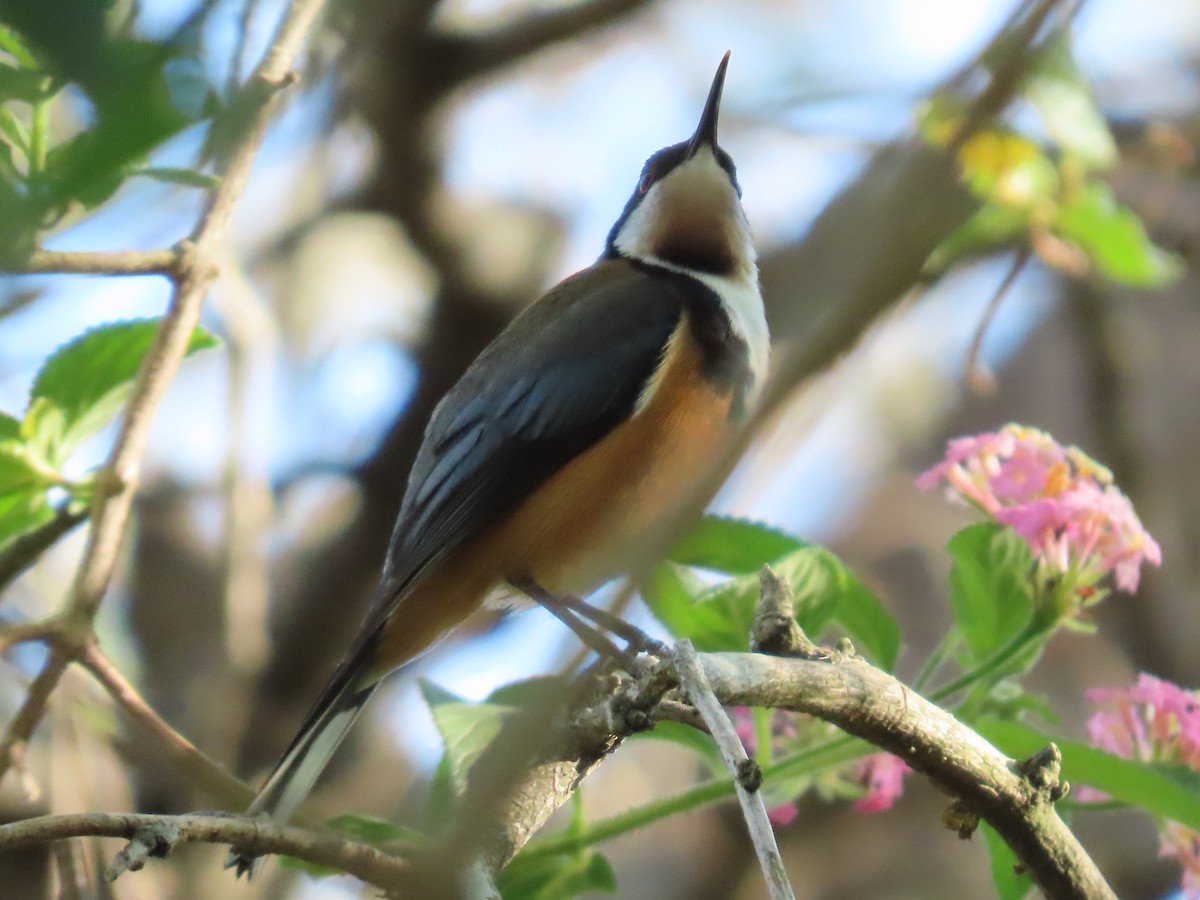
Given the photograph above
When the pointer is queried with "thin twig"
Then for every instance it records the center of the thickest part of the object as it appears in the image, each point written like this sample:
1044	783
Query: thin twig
126	262
155	835
480	54
20	729
695	684
978	376
23	552
24	632
185	755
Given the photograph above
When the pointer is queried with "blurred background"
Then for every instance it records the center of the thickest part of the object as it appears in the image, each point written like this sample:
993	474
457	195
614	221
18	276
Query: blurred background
406	204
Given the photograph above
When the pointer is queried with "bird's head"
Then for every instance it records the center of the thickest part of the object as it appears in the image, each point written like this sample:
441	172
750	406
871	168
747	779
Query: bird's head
686	210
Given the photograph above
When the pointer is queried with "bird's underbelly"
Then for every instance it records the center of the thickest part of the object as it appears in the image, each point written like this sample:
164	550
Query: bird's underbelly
600	513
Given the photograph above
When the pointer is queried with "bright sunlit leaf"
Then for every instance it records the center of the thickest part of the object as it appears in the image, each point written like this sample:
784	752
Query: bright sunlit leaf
1114	238
84	384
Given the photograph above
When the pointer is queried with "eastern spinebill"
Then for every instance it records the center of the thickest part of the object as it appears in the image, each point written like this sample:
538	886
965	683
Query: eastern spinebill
577	430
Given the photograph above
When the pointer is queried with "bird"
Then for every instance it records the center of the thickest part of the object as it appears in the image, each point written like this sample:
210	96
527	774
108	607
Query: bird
586	422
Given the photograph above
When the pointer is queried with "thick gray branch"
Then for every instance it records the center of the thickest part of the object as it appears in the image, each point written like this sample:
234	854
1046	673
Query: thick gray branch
872	705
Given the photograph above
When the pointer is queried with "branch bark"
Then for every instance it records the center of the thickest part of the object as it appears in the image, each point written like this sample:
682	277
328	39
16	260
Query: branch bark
1016	798
127	262
156	835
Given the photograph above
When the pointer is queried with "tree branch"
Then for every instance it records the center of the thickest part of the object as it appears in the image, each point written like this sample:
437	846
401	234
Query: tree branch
128	262
480	54
23	552
185	755
872	705
1016	798
155	835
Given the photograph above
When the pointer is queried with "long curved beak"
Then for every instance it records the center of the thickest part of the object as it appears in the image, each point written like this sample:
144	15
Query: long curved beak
706	131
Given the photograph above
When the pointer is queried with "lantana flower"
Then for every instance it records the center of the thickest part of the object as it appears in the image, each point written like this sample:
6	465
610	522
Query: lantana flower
1058	499
1154	721
882	774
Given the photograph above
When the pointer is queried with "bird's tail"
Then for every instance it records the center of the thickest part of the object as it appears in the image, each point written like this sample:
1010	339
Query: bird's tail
300	767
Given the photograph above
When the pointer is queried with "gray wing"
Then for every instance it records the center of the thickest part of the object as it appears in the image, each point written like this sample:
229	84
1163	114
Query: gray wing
553	384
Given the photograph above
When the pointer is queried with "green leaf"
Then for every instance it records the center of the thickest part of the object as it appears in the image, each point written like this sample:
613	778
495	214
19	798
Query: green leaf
989	586
734	546
1168	791
14	131
713	619
9	427
1010	884
18	469
22	512
11	43
530	691
556	877
1114	238
827	590
466	729
365	829
370	830
84	384
721	617
1064	99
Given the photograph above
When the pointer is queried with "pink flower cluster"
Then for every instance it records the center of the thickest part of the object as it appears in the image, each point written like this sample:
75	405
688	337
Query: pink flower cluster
882	774
1154	721
1059	500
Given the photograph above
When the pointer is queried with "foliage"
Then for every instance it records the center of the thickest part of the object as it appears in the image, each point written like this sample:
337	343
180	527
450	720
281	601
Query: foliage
80	389
1051	199
138	94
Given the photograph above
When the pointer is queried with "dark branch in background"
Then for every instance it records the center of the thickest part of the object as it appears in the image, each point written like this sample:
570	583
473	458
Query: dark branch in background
477	55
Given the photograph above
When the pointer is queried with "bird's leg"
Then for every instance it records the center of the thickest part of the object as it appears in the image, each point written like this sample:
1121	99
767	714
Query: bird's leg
636	638
591	637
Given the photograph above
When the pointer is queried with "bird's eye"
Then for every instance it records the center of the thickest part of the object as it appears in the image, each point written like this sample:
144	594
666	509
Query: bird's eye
647	180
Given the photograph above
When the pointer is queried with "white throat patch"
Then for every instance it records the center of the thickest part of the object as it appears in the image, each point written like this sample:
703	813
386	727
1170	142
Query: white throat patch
699	190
